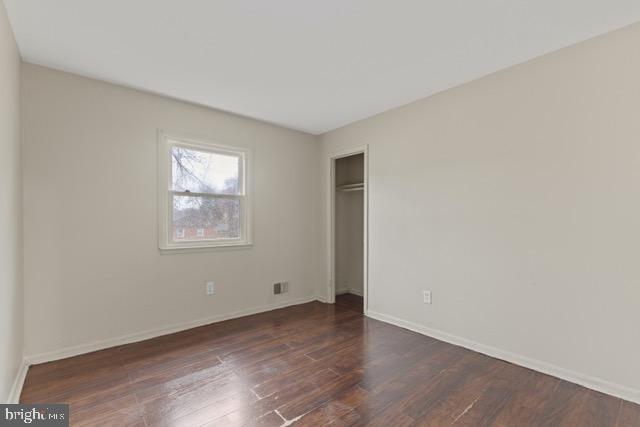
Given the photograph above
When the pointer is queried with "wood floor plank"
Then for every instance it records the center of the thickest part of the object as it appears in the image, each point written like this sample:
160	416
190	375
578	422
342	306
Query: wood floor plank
527	402
333	409
156	387
629	415
309	365
202	403
453	393
247	414
350	301
427	397
283	370
561	406
303	404
500	388
599	409
390	392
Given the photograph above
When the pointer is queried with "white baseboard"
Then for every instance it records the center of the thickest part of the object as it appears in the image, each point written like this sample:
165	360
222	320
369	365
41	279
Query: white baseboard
588	381
141	336
349	291
321	298
16	389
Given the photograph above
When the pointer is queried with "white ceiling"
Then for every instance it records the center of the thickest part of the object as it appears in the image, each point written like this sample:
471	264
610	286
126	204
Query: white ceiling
309	65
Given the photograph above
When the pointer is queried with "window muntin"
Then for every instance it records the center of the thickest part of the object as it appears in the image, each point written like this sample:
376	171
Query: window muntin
205	202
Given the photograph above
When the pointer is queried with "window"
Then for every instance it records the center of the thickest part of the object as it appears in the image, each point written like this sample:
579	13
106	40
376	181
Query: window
204	194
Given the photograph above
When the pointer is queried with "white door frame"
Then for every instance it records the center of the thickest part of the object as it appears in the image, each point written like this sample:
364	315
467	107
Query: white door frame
331	167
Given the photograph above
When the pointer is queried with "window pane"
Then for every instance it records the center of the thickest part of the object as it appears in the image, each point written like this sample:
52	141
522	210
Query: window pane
204	172
205	218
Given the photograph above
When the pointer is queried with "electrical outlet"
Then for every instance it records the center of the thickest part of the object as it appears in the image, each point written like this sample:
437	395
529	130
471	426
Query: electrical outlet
426	296
211	288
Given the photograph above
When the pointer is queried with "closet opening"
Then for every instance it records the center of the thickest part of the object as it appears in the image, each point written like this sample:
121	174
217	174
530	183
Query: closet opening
349	230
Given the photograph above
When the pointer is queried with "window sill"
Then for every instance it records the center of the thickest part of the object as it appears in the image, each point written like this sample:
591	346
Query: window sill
205	248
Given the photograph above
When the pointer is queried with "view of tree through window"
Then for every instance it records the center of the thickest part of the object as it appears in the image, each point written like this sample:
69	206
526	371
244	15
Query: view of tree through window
204	172
212	212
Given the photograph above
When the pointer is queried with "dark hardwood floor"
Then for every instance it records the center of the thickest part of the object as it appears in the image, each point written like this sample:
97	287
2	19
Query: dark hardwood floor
313	364
351	301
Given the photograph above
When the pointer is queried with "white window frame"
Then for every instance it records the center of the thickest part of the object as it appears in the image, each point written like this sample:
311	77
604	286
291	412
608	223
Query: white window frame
167	140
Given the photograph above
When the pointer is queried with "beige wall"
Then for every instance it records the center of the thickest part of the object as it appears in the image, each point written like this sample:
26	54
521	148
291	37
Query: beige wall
515	199
93	271
11	312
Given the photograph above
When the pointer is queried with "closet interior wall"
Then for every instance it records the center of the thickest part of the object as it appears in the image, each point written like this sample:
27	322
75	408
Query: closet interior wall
349	223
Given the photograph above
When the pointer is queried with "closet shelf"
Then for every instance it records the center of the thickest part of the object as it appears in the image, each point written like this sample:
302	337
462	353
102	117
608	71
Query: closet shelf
351	187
